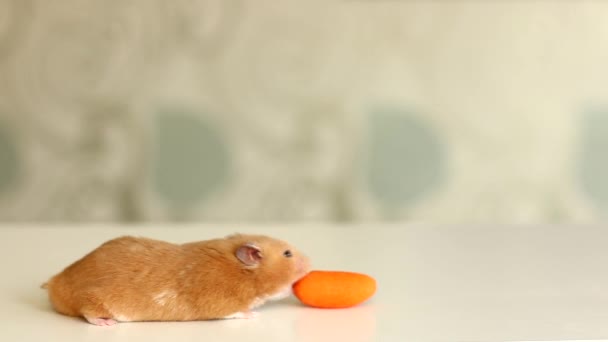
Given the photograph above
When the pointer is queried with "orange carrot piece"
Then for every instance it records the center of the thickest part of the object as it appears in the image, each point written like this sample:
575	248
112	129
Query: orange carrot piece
334	289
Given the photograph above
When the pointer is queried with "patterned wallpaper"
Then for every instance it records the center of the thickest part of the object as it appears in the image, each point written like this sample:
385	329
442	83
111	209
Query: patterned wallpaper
257	111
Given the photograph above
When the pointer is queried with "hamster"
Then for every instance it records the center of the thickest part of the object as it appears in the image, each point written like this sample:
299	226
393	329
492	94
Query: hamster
139	279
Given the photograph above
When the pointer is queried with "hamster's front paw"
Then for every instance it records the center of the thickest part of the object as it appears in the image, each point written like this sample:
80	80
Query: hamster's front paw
244	314
100	321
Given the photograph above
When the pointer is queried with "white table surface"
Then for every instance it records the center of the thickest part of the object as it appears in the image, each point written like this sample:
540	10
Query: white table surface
435	283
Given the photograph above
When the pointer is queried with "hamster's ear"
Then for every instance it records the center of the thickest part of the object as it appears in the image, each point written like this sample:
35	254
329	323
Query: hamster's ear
249	254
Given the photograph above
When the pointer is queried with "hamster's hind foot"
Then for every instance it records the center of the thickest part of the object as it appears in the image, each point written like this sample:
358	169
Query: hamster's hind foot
100	321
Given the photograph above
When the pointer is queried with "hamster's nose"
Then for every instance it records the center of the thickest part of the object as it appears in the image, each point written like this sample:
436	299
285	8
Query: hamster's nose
303	266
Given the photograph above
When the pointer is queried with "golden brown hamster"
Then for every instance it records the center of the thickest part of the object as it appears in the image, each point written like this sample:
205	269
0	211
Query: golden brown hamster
140	279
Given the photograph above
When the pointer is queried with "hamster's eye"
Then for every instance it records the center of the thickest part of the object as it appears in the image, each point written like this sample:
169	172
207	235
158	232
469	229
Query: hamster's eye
287	254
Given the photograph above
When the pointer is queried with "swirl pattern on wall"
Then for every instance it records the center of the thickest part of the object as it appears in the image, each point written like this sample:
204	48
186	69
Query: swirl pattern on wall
273	111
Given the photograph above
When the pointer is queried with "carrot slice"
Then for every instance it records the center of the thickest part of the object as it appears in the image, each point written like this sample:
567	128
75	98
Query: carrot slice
334	289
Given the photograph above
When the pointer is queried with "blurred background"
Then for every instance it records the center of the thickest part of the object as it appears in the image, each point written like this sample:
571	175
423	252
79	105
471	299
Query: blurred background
272	111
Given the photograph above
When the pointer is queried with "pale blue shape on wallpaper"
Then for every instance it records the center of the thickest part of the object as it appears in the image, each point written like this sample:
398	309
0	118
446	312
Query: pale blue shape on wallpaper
593	158
9	161
405	157
191	159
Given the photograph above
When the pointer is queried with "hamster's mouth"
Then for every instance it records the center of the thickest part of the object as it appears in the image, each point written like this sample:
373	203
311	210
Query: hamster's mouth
302	269
301	274
299	277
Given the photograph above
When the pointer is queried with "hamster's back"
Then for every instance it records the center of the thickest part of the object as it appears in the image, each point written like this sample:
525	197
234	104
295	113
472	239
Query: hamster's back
121	264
